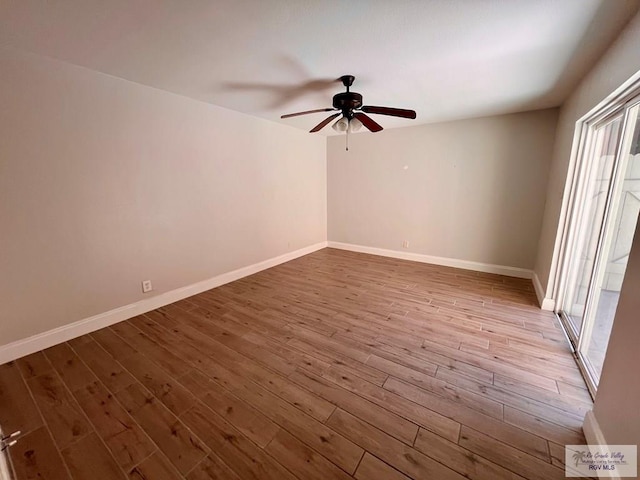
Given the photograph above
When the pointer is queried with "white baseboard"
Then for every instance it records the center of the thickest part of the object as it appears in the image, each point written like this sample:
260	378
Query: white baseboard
447	262
545	303
591	429
594	436
26	346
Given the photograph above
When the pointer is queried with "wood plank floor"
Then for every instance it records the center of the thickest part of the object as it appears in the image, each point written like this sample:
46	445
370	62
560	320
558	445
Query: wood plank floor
336	365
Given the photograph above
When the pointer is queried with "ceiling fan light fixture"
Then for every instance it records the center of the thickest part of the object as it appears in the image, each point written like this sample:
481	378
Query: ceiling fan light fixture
341	125
355	125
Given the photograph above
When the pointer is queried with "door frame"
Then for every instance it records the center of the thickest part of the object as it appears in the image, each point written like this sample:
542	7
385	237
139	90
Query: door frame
571	236
611	102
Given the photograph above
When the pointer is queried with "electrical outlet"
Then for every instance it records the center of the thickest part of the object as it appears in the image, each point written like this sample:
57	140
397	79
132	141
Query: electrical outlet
405	244
146	286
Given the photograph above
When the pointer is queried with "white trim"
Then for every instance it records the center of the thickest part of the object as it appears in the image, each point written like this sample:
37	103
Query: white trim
548	304
616	99
448	262
26	346
538	288
594	436
619	96
545	303
592	431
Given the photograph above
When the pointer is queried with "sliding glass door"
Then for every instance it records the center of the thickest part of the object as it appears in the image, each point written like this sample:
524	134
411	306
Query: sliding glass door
596	176
606	204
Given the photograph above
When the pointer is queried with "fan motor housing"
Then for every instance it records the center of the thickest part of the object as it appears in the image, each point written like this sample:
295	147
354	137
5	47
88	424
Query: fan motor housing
347	101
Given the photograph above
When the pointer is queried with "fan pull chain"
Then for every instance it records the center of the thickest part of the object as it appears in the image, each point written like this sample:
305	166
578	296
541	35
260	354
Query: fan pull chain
347	139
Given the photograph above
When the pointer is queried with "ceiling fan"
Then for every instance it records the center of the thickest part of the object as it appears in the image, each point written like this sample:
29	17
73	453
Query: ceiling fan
354	114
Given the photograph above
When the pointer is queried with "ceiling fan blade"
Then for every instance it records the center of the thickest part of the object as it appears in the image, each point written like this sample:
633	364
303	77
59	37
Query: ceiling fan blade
393	112
308	111
368	121
324	123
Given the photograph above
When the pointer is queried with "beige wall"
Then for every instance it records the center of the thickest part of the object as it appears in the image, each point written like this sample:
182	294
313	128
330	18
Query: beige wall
617	405
469	190
618	64
104	183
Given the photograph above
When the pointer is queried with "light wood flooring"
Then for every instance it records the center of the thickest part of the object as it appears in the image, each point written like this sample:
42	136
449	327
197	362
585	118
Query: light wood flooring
336	365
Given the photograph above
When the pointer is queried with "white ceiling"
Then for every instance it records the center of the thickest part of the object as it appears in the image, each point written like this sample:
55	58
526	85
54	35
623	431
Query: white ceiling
446	59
